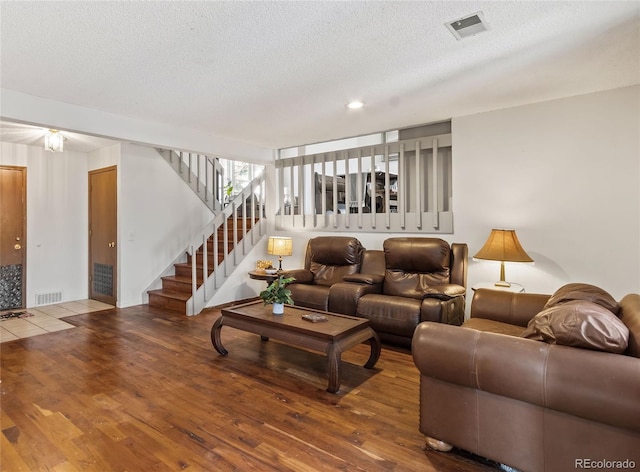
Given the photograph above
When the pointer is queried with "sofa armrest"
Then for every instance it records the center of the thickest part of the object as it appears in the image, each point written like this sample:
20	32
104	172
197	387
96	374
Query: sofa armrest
443	309
302	276
597	386
369	279
344	296
506	307
444	291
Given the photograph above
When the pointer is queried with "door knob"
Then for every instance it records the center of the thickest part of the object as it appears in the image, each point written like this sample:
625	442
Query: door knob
17	247
112	244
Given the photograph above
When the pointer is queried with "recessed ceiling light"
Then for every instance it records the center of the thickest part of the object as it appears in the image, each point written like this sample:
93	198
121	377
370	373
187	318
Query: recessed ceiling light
355	105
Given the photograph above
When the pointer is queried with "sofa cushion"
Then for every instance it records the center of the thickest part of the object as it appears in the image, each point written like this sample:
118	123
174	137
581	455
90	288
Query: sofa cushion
586	292
331	258
579	323
328	275
398	316
315	297
415	264
399	283
336	251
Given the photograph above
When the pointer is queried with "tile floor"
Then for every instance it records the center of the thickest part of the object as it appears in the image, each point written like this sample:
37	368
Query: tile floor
46	319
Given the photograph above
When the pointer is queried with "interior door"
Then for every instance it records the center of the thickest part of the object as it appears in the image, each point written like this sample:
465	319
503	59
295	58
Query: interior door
13	236
103	219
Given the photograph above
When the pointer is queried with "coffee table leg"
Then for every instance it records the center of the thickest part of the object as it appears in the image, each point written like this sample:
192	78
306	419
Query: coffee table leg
374	341
215	337
334	356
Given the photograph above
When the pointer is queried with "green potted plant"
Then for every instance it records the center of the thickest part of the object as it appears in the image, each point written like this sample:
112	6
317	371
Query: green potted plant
277	294
228	191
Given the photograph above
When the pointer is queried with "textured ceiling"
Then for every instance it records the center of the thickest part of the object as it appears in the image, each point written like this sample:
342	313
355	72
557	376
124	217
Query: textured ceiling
278	73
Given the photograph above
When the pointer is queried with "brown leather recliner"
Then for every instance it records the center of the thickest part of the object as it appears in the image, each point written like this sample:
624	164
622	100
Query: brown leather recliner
424	280
327	261
525	403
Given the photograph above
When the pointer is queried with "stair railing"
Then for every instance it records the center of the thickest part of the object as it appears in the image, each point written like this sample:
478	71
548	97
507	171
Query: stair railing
247	206
204	174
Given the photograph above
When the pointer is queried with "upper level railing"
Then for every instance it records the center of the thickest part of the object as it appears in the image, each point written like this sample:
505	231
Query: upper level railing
404	186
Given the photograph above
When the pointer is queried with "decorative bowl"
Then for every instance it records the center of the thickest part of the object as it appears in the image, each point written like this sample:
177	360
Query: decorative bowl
271	271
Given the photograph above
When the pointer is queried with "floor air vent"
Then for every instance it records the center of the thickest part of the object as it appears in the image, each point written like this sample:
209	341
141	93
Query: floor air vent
467	26
48	298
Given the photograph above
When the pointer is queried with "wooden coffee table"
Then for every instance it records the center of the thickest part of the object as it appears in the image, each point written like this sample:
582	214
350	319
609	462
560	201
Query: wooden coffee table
333	337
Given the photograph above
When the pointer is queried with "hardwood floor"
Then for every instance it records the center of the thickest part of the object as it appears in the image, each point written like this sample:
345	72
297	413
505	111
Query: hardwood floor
142	389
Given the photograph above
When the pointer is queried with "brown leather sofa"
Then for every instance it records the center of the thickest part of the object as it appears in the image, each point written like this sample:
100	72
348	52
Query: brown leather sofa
410	281
528	404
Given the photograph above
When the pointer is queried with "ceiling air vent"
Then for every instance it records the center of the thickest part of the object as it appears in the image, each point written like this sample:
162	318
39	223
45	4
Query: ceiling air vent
467	26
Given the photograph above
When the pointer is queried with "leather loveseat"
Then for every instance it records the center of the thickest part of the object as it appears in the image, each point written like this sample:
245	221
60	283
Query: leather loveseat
529	404
411	280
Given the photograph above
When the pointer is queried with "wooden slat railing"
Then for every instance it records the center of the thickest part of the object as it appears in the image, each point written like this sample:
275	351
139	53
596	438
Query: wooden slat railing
244	215
404	186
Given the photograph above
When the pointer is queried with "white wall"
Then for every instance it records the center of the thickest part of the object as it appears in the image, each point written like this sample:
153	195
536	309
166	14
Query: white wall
565	175
57	219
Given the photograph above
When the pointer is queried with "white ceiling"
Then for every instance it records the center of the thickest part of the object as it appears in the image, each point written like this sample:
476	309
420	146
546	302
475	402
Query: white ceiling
278	73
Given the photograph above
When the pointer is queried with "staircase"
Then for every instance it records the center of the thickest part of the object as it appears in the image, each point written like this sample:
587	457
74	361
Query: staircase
177	289
218	248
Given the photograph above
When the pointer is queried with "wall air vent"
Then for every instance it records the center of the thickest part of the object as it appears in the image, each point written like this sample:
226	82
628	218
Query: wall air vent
467	26
48	298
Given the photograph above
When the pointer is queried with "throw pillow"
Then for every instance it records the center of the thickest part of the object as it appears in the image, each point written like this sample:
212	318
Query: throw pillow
586	292
579	323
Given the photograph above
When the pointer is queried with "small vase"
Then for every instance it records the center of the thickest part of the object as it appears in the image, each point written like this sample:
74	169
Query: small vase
278	308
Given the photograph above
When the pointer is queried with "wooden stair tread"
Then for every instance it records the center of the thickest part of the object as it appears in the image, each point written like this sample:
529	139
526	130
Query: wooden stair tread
187	265
177	278
171	294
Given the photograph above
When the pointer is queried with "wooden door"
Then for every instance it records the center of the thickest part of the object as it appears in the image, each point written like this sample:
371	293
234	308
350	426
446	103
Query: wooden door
103	220
13	237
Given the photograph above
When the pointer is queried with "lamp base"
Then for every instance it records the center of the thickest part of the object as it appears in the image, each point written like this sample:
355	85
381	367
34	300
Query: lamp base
502	283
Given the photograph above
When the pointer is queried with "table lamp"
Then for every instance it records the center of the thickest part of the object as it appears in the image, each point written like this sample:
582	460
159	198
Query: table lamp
280	246
503	246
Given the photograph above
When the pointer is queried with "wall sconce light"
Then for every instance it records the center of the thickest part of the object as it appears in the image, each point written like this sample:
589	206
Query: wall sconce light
280	246
54	141
503	246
